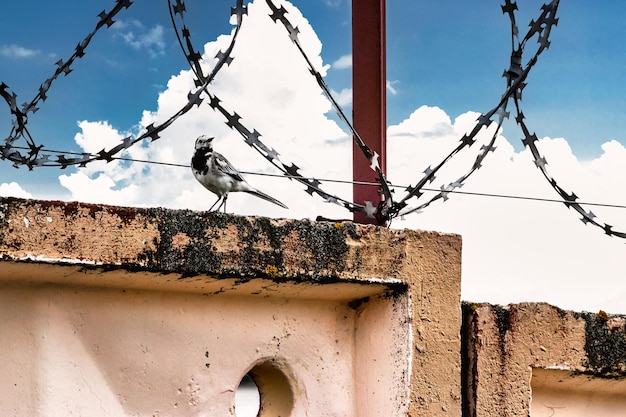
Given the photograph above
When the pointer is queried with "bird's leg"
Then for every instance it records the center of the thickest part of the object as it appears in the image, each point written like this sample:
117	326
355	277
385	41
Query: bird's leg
224	201
217	201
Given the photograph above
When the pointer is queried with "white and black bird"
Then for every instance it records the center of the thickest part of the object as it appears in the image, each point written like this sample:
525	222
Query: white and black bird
217	175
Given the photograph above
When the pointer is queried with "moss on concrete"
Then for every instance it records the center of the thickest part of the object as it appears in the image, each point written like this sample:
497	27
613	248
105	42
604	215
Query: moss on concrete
259	244
605	344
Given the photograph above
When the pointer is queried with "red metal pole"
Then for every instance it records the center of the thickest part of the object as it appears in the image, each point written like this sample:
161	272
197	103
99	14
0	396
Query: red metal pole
369	104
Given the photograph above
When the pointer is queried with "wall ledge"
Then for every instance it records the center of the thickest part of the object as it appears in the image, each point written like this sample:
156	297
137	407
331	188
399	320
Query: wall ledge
191	243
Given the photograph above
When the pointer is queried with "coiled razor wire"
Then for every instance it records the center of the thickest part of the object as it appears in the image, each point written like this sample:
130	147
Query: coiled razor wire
543	26
36	158
388	209
516	76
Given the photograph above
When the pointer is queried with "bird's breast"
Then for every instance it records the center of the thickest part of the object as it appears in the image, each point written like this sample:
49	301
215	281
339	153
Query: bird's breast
199	163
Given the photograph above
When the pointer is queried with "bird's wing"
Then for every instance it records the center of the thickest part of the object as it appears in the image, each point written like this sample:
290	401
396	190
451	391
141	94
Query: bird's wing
225	167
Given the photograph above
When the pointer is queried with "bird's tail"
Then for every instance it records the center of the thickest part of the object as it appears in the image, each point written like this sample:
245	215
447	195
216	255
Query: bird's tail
266	197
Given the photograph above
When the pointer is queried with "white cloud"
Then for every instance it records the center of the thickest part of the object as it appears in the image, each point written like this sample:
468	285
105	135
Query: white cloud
16	51
332	3
391	88
124	24
13	189
513	250
343	97
96	136
344	62
151	40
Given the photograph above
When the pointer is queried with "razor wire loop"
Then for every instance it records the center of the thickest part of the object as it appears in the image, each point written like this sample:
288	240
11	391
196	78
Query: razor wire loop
516	76
543	26
233	121
152	131
193	97
19	129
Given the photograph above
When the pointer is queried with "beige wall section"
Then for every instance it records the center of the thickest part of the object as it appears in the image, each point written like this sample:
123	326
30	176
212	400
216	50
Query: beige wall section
532	353
144	353
557	393
161	312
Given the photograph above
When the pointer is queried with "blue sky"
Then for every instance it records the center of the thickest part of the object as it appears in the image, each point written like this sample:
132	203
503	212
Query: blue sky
445	59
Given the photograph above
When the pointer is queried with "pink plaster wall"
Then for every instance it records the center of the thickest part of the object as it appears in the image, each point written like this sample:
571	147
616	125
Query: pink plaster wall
98	352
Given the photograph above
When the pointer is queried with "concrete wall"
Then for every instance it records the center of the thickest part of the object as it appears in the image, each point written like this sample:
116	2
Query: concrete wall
112	311
151	312
538	360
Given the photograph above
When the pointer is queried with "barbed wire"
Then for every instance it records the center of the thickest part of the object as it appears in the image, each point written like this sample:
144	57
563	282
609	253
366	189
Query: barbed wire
352	182
516	75
34	157
544	26
19	129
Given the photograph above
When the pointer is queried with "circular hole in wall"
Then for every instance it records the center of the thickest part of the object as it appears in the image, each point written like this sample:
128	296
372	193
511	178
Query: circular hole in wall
275	395
247	398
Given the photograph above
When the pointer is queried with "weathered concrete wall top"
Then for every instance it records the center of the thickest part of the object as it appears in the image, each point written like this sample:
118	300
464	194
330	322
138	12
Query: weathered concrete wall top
390	298
188	242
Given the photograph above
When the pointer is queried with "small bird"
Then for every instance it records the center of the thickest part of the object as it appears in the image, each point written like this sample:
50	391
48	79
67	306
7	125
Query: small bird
217	175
